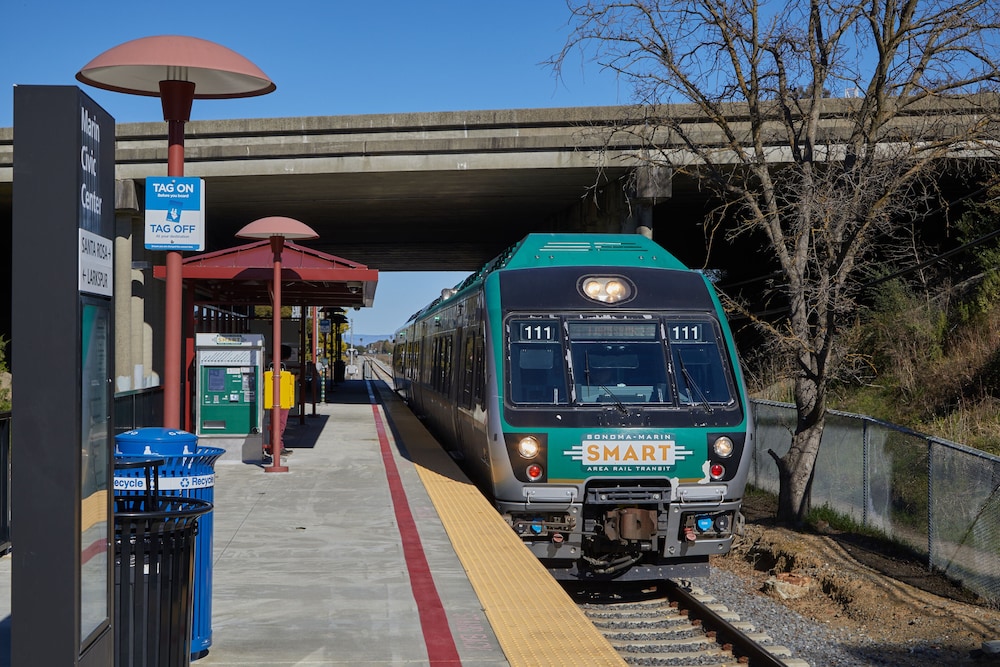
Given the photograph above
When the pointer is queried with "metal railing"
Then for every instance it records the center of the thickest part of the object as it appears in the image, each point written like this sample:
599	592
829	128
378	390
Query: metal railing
138	408
939	498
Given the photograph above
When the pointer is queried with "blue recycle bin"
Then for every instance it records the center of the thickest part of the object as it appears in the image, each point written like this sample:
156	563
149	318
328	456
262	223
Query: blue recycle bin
188	471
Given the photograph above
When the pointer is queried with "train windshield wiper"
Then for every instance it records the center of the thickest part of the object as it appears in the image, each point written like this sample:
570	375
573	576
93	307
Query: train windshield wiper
619	406
692	384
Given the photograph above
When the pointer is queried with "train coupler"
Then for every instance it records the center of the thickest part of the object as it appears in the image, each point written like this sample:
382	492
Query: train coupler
630	524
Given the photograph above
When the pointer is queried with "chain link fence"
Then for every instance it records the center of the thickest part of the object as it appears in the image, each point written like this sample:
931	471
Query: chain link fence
940	498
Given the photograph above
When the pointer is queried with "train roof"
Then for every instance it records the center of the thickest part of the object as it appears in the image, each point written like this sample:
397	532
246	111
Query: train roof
547	250
587	249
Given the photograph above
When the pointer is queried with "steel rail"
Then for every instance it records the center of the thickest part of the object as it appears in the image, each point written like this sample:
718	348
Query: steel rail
726	634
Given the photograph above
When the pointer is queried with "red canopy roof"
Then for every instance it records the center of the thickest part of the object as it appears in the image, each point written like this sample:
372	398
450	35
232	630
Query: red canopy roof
240	276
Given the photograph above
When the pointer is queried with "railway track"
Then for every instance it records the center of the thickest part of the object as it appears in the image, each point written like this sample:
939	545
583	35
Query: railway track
675	625
380	370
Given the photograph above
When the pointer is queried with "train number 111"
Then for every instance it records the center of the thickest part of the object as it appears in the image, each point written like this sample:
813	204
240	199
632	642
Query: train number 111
537	332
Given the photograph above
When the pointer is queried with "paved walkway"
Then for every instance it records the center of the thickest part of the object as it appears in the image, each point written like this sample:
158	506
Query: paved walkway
310	566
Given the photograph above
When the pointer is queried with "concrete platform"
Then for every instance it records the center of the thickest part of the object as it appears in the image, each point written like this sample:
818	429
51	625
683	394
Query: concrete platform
309	565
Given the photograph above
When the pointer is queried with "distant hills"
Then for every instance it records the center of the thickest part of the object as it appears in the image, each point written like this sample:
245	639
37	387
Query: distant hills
363	340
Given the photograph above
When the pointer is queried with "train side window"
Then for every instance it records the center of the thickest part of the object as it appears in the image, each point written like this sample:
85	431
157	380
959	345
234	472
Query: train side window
468	371
441	364
479	381
435	351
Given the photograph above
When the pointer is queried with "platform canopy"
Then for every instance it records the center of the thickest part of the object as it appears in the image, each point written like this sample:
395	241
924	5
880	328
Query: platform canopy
242	275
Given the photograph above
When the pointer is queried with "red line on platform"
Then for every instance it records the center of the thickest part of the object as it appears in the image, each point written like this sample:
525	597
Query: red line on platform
440	643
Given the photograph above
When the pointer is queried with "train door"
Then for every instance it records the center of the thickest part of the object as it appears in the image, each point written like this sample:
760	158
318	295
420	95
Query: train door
464	414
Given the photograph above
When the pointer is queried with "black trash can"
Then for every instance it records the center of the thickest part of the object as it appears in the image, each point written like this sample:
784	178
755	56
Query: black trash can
188	470
154	572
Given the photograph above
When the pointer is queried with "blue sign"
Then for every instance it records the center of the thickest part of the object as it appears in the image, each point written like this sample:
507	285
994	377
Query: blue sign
175	213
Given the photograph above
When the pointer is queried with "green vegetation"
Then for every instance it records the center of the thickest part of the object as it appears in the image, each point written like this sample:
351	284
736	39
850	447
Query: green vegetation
924	349
930	367
824	519
926	352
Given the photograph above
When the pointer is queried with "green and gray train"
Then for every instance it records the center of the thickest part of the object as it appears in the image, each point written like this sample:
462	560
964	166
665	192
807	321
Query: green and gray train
589	384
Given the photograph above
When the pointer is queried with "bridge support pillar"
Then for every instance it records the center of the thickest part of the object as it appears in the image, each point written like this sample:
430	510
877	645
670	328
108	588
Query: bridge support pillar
620	207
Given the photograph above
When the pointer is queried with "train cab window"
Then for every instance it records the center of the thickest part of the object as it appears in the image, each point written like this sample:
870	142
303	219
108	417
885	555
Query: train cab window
699	368
618	362
536	363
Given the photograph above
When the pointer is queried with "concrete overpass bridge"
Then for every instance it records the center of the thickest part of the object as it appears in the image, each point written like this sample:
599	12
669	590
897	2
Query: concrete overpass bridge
414	191
430	191
395	192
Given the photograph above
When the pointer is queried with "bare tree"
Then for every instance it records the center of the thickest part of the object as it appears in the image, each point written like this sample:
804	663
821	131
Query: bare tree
739	93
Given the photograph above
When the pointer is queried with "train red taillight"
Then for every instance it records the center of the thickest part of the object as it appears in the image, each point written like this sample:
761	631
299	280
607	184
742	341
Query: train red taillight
535	472
717	471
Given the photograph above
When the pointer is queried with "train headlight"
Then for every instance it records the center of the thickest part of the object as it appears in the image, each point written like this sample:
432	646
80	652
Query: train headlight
528	447
723	447
616	290
607	289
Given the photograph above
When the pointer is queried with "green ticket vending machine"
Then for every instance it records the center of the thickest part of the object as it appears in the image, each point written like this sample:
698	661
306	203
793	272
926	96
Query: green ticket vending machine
229	373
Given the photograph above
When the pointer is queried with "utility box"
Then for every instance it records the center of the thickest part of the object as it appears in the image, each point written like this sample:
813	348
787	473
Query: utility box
229	373
286	385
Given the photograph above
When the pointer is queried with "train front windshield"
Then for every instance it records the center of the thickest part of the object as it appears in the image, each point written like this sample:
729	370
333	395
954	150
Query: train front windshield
666	361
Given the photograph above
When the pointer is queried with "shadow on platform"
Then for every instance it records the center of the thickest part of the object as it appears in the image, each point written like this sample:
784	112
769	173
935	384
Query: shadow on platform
348	392
304	435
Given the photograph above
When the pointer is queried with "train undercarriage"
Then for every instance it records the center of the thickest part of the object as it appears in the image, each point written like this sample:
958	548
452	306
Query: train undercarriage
626	532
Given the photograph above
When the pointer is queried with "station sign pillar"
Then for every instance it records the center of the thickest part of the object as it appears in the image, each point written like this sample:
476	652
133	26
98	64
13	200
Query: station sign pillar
63	370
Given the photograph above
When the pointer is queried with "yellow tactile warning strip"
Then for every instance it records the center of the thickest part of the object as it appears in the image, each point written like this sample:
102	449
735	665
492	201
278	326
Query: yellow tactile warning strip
534	619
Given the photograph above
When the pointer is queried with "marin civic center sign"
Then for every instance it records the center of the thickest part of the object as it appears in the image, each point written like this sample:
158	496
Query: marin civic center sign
62	519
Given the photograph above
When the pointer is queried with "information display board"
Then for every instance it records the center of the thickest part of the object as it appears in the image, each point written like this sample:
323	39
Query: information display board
175	213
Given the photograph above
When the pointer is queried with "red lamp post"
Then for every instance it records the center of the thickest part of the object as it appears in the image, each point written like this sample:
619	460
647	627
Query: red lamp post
277	229
178	70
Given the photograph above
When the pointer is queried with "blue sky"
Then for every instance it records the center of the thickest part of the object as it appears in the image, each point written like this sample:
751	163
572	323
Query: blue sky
329	57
